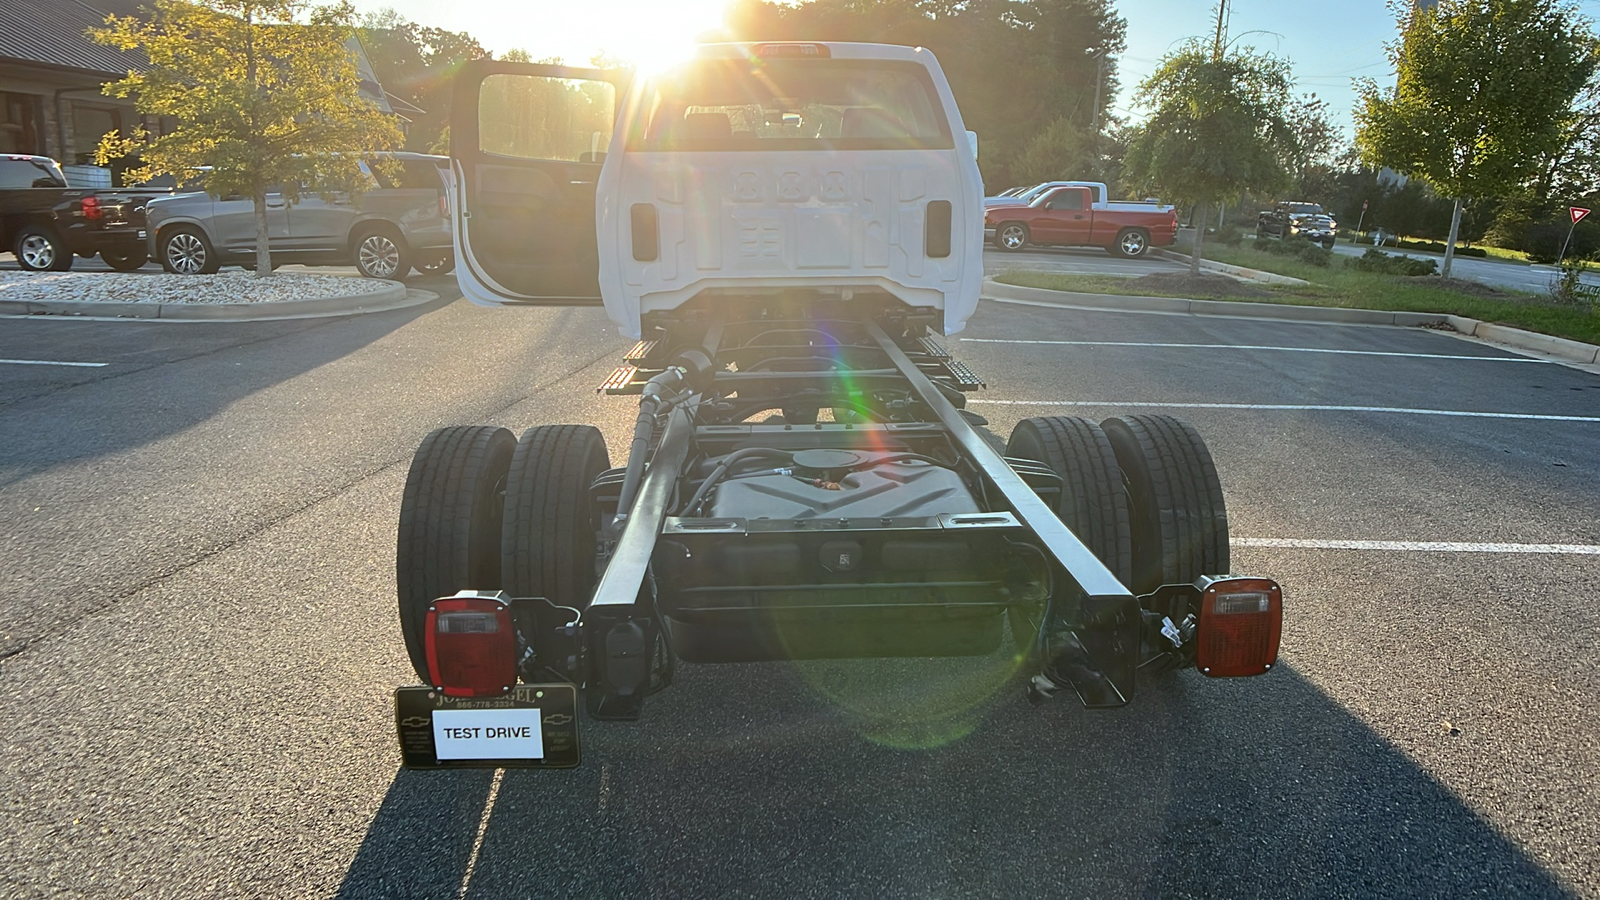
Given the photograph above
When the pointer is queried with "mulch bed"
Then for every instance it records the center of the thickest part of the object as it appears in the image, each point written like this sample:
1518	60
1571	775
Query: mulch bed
1205	284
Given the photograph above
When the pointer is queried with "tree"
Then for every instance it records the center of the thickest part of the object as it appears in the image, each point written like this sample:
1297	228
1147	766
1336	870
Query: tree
1219	126
1484	89
262	99
417	63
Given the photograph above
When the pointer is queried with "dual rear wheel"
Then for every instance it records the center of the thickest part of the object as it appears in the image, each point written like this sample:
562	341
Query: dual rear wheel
1140	492
483	510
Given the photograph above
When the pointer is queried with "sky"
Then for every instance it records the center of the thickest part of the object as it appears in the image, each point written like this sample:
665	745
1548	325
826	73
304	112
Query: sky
1328	44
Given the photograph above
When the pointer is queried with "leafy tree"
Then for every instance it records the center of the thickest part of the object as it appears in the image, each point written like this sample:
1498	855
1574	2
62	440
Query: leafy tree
1484	88
265	93
416	63
1219	126
1319	146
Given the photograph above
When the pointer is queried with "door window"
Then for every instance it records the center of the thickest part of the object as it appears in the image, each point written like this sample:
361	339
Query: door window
529	117
1066	200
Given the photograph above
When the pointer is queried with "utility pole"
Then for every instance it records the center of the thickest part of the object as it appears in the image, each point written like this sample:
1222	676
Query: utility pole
1099	79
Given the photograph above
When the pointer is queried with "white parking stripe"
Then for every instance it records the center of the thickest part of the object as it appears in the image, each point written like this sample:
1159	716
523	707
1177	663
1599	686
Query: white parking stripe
46	362
1419	546
1510	359
1296	407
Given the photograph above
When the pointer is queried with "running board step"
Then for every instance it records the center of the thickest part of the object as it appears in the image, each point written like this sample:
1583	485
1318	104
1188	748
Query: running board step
624	380
932	347
640	352
965	378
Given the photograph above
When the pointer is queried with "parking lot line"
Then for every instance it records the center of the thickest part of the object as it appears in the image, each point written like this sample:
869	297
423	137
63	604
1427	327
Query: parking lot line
1419	546
1510	359
1296	407
49	362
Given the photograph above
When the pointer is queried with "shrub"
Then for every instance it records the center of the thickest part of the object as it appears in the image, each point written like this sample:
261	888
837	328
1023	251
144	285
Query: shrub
1289	247
1375	260
1315	255
1437	247
1229	235
1566	287
1543	241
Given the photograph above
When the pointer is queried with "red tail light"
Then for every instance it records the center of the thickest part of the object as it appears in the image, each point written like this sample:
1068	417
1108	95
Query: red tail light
471	645
1241	620
91	208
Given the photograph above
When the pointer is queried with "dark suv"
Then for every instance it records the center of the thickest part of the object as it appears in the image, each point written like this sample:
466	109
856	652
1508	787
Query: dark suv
401	221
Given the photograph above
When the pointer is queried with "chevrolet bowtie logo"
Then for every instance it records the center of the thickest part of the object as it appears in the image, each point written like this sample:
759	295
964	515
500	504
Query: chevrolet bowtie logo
558	719
413	721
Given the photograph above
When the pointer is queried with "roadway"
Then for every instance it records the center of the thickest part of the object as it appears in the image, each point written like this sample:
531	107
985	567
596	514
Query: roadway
1501	273
199	620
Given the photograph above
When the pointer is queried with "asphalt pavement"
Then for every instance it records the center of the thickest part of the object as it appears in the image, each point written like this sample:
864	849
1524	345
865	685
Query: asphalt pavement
1073	261
200	641
1501	273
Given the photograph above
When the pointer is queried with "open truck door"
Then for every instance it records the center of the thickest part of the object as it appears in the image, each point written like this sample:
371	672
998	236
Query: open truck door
526	144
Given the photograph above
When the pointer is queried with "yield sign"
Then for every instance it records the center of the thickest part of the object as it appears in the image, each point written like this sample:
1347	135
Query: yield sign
1578	213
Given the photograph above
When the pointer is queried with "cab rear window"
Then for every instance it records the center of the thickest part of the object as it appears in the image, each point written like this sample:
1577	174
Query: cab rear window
792	104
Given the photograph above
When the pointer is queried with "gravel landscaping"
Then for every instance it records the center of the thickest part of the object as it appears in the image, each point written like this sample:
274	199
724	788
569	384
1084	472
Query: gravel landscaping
224	287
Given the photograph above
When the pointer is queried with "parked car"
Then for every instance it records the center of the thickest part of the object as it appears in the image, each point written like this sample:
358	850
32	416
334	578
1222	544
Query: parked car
1297	218
401	221
45	222
1076	214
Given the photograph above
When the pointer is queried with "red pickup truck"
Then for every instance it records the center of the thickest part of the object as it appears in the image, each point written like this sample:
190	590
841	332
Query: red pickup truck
1074	216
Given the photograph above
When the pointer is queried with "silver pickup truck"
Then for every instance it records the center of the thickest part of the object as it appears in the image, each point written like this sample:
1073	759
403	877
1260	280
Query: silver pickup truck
401	221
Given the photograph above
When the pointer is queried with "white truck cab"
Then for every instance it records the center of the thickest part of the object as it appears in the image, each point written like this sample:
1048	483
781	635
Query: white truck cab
750	171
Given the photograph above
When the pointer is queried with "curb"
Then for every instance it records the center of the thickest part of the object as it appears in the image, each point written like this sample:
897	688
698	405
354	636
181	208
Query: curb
1575	351
1225	269
394	296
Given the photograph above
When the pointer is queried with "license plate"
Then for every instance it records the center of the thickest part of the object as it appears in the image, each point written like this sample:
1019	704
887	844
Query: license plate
534	726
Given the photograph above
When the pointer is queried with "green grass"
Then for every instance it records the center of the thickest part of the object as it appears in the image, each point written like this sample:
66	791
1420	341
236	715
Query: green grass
1338	286
1500	253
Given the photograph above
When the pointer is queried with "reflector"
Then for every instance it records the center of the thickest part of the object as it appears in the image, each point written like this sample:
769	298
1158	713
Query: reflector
1241	621
471	645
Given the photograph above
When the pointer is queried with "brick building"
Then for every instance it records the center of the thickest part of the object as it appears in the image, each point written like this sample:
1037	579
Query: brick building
51	74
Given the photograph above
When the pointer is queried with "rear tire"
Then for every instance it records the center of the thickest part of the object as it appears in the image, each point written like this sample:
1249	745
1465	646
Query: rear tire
1131	243
547	547
125	262
450	515
381	253
1093	504
40	249
186	250
1179	517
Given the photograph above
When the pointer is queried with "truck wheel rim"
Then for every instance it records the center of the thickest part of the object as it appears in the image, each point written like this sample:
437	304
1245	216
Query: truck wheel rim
1133	244
186	254
1012	237
37	251
379	256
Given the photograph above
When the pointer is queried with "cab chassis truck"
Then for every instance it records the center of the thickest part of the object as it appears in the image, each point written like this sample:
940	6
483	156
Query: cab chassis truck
803	480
